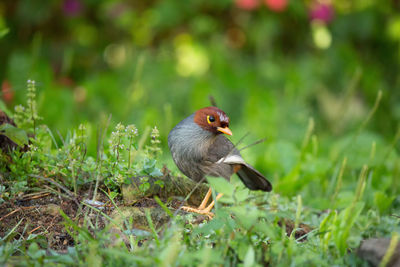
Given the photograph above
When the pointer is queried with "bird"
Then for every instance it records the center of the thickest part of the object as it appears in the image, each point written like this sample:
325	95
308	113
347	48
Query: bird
199	148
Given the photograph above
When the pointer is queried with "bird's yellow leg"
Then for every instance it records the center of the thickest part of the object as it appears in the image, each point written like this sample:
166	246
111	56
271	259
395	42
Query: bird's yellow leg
202	205
209	207
207	210
205	200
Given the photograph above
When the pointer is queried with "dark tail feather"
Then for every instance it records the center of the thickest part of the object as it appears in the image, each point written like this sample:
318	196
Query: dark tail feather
253	179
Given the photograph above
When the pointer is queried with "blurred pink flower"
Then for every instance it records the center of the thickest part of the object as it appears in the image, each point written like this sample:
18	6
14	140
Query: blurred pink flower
7	91
72	7
322	12
247	4
276	5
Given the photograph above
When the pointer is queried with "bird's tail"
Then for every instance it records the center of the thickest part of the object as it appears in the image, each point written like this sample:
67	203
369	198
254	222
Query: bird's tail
252	178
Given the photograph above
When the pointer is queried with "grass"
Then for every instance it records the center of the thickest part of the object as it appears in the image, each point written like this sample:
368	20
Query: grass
336	188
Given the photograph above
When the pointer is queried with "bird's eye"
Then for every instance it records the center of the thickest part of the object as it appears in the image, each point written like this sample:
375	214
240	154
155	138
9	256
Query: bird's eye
210	119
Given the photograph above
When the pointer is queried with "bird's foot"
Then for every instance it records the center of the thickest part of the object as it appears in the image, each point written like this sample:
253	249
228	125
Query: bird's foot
205	211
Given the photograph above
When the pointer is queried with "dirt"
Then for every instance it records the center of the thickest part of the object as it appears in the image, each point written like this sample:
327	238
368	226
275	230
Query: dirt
301	232
39	214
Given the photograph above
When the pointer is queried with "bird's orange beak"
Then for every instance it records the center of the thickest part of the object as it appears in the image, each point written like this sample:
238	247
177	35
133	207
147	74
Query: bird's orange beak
225	130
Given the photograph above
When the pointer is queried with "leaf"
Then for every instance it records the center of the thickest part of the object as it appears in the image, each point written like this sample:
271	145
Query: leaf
241	195
113	194
221	185
168	257
382	201
144	187
16	135
156	172
247	215
343	225
35	252
210	227
325	228
249	258
160	183
3	107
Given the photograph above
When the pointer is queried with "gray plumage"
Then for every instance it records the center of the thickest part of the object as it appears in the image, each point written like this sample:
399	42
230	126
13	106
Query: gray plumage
198	152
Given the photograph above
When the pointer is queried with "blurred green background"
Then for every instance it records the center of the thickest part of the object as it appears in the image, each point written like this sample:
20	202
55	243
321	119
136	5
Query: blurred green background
270	64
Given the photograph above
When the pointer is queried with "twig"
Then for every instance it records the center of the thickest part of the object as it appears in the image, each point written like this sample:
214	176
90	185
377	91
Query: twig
253	144
14	211
240	140
9	214
30	232
61	196
69	193
34	196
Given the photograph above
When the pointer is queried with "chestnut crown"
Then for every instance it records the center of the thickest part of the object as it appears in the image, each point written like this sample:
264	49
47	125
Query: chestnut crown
212	119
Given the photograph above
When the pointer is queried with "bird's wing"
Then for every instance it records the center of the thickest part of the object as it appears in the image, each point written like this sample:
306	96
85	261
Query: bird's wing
220	149
222	152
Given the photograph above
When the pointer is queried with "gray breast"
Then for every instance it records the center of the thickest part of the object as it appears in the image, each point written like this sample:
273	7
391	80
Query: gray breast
196	151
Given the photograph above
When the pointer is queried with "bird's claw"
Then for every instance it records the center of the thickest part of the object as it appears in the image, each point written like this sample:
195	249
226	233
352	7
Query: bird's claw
205	211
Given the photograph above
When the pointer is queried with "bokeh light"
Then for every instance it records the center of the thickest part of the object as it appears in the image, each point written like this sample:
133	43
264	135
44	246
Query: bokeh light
192	59
115	55
321	35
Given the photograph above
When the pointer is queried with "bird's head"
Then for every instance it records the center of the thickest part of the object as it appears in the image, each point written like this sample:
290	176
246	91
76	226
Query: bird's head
213	119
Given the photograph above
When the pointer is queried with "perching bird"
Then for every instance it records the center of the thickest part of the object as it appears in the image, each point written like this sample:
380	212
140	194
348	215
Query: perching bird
199	148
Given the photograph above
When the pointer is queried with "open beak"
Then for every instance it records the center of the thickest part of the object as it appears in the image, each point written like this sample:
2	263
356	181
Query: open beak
225	130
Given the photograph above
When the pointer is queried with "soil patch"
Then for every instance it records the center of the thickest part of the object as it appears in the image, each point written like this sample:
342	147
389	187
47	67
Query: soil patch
39	213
